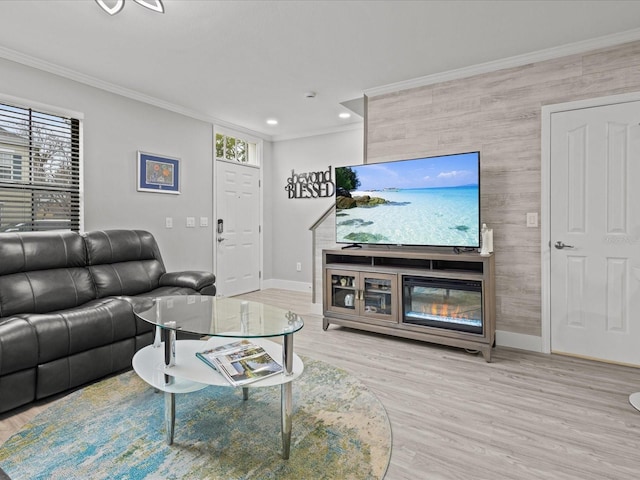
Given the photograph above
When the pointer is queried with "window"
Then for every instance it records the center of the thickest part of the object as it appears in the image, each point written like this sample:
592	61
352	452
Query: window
235	149
39	170
9	165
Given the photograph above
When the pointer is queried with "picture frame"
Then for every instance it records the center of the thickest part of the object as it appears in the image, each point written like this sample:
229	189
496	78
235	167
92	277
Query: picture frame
158	173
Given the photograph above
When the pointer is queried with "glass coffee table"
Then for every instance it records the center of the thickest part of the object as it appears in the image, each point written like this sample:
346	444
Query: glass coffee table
171	365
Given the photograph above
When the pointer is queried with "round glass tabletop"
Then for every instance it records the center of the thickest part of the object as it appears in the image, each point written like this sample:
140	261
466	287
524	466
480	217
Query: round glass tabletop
222	317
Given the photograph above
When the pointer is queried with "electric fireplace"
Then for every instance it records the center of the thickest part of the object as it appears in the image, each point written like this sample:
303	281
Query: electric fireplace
453	304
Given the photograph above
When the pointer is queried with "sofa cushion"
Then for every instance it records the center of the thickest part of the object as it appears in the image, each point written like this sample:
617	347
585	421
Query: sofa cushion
126	278
166	291
17	389
45	290
29	251
18	345
75	370
114	246
43	271
193	279
97	323
123	262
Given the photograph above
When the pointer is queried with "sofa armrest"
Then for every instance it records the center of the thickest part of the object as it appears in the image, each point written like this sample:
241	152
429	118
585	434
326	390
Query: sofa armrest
202	282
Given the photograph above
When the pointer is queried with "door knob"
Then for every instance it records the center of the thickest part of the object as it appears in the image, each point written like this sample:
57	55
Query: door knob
559	245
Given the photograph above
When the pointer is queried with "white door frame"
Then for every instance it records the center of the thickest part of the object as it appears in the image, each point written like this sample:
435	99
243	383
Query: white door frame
260	158
545	204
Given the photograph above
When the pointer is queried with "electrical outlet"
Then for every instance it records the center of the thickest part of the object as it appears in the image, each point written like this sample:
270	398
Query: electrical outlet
298	267
191	222
168	222
532	219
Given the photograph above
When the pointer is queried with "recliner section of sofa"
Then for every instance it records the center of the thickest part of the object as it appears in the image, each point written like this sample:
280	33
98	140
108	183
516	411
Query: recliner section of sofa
66	307
128	262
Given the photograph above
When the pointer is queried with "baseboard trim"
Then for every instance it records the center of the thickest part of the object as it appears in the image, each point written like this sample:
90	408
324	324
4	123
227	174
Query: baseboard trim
518	340
286	285
316	309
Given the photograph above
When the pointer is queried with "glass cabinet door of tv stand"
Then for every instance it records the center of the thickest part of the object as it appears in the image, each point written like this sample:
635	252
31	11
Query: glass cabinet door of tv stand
370	295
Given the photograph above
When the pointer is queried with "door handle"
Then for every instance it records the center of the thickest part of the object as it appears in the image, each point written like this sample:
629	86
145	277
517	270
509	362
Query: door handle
220	239
559	245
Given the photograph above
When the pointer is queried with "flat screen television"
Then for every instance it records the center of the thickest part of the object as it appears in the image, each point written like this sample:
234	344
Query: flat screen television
431	201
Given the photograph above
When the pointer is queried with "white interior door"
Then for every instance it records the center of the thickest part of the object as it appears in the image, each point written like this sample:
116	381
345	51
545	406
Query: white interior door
237	228
595	214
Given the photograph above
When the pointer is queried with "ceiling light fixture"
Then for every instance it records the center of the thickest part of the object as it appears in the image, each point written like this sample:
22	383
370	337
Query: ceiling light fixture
114	6
345	115
272	121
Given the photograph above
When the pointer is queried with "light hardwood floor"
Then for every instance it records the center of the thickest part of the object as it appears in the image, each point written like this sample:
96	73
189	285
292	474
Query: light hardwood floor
454	416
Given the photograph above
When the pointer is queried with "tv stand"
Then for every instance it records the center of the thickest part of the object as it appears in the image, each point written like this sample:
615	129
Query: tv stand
353	245
458	250
363	289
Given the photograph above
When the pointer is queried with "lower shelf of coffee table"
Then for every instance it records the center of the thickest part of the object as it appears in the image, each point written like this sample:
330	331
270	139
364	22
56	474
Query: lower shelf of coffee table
192	374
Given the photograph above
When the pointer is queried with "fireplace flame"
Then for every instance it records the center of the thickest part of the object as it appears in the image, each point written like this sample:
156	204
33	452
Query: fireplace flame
444	310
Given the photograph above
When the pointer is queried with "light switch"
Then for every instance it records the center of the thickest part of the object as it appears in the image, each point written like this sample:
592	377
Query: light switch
191	222
204	221
532	219
168	222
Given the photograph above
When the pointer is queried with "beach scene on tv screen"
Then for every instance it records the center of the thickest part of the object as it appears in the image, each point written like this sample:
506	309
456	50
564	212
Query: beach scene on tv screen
426	201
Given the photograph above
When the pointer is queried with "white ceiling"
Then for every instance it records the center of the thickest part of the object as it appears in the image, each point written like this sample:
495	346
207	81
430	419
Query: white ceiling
241	62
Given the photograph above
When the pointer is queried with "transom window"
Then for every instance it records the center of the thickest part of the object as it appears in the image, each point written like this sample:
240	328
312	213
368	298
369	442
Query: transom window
235	149
39	170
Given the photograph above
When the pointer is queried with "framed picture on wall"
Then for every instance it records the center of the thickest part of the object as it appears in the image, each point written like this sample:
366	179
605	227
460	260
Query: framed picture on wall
158	173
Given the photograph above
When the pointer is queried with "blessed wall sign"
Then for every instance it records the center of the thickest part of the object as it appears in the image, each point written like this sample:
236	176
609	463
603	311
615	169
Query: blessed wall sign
310	184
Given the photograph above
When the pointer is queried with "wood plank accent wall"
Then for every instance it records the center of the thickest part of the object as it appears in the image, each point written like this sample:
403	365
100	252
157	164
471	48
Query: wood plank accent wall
499	113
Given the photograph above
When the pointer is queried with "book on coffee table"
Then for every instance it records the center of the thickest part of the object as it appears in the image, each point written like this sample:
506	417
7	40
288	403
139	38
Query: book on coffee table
240	362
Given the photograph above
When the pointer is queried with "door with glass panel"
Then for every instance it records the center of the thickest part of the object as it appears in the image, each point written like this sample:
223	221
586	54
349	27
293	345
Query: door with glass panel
371	295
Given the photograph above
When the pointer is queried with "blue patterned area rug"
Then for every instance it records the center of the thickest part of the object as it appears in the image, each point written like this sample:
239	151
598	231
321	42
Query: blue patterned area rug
114	430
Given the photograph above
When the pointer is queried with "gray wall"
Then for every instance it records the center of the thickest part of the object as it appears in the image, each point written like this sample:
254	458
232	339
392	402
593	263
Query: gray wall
499	114
116	127
290	219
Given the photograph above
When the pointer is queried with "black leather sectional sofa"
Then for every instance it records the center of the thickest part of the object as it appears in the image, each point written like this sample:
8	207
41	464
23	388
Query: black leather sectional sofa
66	307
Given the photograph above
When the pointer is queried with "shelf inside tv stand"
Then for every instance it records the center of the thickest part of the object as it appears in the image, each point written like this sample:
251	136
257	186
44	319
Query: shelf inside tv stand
362	270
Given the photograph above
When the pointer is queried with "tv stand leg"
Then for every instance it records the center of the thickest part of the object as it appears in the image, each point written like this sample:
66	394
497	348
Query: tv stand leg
486	353
325	324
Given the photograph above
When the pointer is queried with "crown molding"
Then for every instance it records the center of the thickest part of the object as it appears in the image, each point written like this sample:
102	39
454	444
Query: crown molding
358	125
510	62
70	74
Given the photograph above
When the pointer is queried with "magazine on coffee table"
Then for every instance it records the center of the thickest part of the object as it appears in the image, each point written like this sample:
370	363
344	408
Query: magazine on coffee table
240	362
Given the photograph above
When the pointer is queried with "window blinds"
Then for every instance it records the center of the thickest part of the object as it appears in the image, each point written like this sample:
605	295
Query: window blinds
39	170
